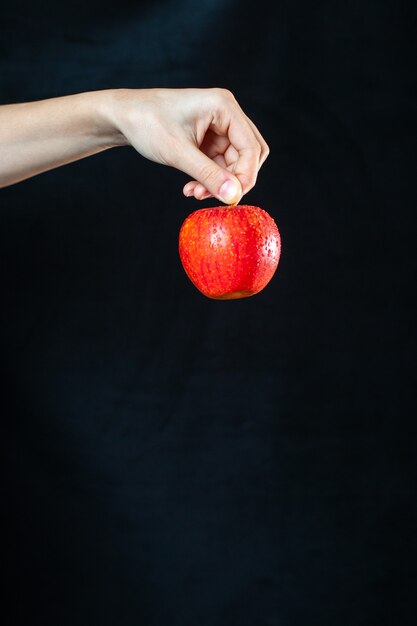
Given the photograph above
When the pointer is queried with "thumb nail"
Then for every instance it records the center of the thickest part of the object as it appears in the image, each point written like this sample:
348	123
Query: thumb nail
229	192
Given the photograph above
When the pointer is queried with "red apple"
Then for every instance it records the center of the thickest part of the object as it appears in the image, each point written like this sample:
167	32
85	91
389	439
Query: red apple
229	252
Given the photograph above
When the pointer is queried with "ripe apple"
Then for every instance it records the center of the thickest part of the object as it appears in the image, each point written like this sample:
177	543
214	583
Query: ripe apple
229	252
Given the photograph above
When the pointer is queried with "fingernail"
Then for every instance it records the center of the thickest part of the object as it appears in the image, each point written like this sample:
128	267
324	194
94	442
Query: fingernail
229	192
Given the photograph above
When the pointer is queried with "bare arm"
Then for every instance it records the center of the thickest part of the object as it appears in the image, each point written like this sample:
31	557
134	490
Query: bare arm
39	136
202	132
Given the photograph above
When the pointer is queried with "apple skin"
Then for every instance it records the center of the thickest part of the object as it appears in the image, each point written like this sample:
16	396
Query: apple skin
229	252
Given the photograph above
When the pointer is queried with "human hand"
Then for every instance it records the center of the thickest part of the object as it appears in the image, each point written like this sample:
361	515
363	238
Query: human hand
202	132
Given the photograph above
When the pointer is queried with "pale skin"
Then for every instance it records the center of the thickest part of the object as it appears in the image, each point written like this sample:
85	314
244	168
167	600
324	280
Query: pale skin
201	132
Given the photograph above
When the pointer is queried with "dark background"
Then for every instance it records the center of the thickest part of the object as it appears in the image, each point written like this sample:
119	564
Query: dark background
169	459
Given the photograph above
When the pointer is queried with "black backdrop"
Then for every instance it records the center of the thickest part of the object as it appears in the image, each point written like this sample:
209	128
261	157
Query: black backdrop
169	459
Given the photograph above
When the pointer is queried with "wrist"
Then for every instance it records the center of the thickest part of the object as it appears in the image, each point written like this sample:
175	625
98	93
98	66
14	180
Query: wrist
116	111
107	106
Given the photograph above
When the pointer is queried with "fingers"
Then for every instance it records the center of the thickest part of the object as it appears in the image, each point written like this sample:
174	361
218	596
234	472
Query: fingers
198	190
218	181
244	148
250	149
264	146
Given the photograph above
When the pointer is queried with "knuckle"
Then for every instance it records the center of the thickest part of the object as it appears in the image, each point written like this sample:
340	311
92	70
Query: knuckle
223	94
265	153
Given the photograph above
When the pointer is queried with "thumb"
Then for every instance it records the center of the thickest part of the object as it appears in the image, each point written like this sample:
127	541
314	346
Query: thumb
217	180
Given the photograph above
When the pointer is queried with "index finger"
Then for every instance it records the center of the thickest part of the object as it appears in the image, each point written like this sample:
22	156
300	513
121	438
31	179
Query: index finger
247	145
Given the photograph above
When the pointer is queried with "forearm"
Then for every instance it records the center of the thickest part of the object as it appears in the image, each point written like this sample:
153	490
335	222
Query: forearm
39	136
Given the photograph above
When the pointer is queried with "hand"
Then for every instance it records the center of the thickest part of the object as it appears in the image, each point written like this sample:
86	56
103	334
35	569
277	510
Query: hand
202	132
